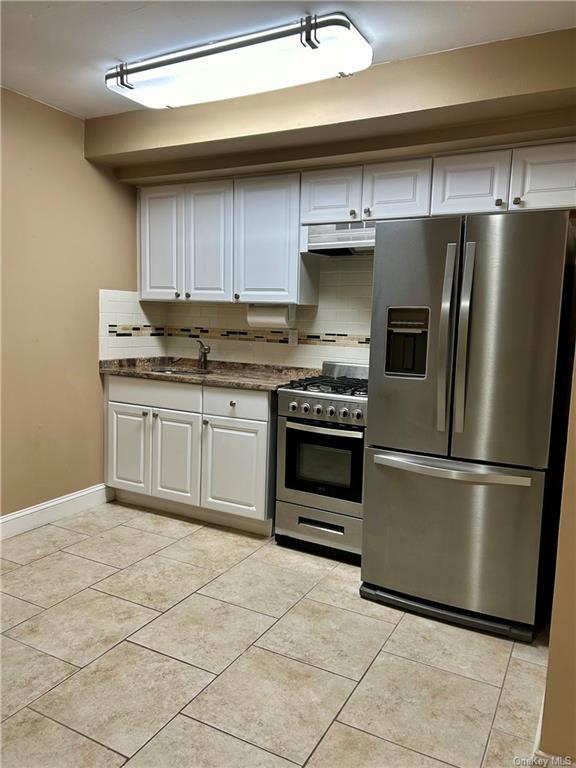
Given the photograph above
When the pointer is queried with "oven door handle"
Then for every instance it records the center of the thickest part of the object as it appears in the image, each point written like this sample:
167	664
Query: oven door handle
325	430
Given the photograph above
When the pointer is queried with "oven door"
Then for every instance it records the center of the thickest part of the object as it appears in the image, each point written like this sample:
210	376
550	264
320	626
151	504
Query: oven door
320	466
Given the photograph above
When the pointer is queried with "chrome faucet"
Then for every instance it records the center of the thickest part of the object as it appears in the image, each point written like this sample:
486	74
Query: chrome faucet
203	355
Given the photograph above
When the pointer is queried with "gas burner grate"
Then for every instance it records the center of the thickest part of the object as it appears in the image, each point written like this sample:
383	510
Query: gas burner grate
342	385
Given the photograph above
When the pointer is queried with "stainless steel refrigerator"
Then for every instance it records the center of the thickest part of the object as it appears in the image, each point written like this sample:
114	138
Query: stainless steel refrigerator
463	358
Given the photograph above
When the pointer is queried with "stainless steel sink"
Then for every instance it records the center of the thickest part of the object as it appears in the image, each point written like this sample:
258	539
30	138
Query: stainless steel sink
182	371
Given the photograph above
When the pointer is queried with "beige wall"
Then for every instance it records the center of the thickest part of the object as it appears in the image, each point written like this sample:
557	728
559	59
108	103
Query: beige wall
559	720
68	229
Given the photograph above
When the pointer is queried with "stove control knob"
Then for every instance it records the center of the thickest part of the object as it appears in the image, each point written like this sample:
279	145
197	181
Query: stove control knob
318	410
293	407
305	408
357	414
344	413
331	411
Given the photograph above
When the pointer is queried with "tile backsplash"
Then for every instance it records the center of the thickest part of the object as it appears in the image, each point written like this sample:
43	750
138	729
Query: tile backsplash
337	329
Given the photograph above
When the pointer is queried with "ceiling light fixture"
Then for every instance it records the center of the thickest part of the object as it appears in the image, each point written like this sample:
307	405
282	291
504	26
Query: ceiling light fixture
314	48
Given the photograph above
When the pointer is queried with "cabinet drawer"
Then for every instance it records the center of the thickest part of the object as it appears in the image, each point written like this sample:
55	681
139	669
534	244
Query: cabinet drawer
159	394
241	403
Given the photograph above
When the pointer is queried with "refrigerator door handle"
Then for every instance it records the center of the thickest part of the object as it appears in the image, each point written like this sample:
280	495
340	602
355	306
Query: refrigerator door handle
478	477
463	330
444	338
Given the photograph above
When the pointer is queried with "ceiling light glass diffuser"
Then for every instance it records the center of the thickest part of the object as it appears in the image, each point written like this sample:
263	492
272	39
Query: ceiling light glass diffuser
314	48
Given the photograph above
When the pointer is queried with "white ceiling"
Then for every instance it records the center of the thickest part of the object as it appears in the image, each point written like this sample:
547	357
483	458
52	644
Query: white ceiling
58	52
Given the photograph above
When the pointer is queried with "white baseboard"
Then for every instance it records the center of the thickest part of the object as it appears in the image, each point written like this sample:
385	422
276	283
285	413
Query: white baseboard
224	519
54	509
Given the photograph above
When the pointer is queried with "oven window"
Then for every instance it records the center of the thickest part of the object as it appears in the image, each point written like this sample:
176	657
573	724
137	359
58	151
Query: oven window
322	464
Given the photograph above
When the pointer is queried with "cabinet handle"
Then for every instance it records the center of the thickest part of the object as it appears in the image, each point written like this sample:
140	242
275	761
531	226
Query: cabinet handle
177	294
232	403
144	413
517	200
187	294
353	213
367	211
205	422
154	415
498	201
236	296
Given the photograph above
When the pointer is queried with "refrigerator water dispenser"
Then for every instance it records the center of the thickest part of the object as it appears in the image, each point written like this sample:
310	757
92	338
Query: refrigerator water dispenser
407	341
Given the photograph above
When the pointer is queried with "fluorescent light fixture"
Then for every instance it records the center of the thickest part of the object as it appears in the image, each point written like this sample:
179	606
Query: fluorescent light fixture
314	48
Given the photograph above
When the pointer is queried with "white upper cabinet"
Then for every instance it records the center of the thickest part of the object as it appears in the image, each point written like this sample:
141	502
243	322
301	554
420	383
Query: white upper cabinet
474	183
398	189
176	455
543	177
208	241
266	239
331	194
161	242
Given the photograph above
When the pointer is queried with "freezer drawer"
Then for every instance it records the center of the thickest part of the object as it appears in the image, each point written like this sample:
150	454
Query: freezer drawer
463	535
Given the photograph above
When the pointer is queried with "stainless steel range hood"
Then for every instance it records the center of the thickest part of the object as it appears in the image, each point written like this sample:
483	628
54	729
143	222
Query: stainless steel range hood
339	239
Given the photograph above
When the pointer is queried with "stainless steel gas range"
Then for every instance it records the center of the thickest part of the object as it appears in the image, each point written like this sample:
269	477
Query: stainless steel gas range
321	424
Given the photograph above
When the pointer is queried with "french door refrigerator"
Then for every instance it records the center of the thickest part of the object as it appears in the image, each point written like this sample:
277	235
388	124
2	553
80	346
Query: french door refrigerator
464	340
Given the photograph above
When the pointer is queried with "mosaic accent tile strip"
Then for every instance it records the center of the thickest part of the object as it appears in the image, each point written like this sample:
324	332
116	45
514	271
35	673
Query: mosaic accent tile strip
258	335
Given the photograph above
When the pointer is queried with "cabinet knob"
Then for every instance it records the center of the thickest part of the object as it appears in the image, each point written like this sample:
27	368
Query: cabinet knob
144	413
154	415
187	294
353	213
177	294
232	403
498	202
517	200
367	211
205	422
236	296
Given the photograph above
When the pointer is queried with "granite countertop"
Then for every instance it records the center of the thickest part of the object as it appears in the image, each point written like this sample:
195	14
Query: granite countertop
266	378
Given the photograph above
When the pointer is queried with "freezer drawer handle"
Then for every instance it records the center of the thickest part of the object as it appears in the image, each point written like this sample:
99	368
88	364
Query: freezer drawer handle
324	527
463	331
444	337
465	476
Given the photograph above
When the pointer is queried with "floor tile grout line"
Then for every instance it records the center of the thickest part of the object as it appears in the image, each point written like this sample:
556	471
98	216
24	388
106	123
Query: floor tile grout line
46	653
496	709
72	594
356	613
174	658
69	728
397	744
239	738
441	669
303	661
358	682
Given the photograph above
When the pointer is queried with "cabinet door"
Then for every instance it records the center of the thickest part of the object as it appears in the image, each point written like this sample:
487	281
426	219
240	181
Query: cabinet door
161	242
543	177
266	239
333	194
395	190
176	451
129	447
476	183
208	242
234	466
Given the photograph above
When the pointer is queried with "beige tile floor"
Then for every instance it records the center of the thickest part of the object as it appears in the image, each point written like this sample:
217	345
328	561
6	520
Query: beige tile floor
132	638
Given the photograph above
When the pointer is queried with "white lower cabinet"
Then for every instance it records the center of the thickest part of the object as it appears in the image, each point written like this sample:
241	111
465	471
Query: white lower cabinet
234	466
129	447
176	456
218	462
